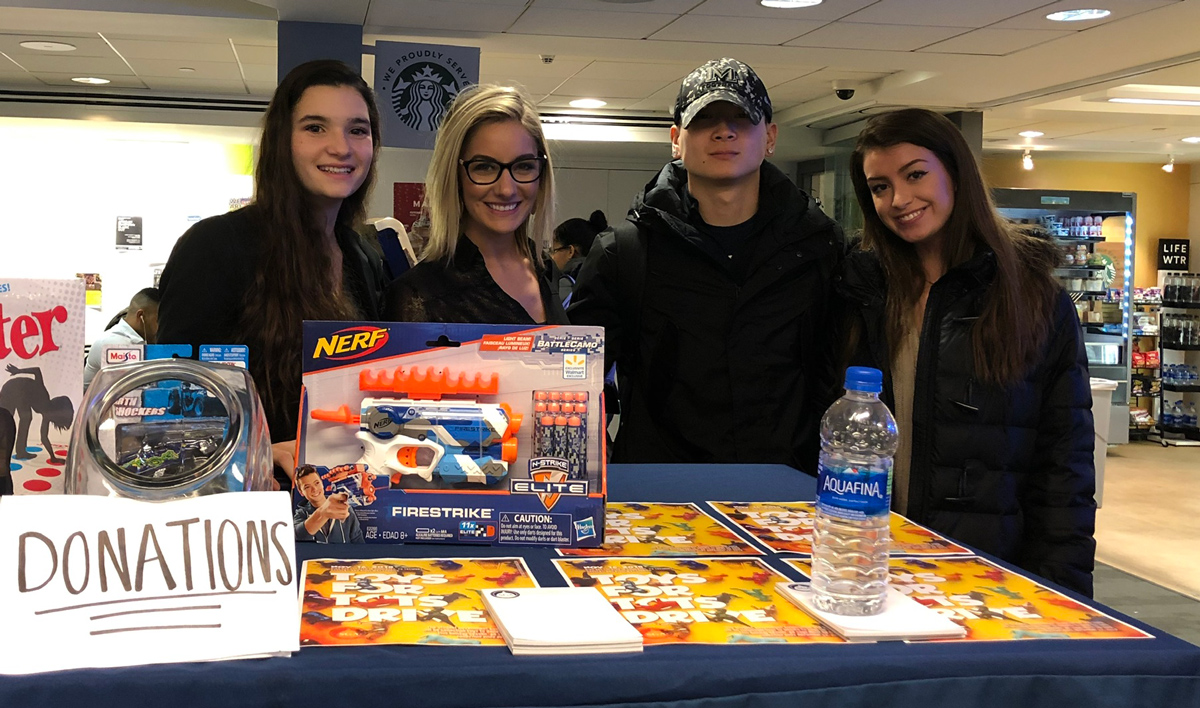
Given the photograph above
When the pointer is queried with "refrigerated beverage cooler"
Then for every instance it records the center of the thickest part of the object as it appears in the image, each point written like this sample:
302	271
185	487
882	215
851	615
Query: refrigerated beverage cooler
1095	231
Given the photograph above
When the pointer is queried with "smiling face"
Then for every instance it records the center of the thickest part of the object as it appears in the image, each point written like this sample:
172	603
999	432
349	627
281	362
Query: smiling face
912	192
498	209
331	142
312	488
721	145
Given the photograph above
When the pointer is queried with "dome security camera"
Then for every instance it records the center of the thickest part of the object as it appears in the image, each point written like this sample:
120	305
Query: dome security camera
843	90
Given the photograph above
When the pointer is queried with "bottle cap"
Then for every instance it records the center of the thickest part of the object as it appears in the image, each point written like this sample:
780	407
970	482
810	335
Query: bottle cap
864	379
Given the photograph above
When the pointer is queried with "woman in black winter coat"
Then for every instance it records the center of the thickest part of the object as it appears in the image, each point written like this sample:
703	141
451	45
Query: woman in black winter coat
981	351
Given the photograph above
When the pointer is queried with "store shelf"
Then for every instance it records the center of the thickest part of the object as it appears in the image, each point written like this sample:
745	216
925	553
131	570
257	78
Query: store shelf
1080	239
1182	347
1082	268
1181	389
1140	333
1181	305
1190	433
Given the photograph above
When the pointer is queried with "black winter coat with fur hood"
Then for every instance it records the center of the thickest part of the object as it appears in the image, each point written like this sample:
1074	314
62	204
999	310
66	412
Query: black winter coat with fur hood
1008	470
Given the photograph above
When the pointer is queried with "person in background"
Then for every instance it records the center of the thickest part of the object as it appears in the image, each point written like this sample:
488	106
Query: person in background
138	325
489	194
253	275
572	242
982	353
321	518
714	292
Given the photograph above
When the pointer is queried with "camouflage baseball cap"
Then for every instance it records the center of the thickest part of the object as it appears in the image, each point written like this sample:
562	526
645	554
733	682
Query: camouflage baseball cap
722	80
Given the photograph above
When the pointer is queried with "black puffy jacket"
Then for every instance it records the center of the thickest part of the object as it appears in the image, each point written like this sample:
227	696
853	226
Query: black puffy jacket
1008	470
714	368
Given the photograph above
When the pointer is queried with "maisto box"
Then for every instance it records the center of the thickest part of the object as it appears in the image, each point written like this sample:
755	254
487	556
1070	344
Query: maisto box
41	354
457	433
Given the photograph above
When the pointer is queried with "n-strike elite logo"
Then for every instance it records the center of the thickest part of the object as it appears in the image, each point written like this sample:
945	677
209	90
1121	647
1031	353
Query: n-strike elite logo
350	343
548	480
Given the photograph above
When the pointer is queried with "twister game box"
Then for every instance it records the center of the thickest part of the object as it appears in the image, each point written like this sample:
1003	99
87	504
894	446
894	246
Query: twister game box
453	433
41	382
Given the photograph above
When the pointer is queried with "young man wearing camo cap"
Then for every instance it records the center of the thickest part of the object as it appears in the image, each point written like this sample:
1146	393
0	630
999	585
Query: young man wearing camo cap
714	291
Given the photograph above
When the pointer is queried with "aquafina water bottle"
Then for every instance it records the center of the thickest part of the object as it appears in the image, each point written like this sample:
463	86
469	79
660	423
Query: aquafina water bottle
854	494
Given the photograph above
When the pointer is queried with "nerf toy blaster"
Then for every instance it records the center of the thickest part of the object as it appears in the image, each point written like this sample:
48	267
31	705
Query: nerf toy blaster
459	441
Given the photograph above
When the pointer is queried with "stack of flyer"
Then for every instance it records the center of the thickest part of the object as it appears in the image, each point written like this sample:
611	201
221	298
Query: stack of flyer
560	621
903	618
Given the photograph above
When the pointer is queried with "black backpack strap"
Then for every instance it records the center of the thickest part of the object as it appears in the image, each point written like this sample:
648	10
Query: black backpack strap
631	282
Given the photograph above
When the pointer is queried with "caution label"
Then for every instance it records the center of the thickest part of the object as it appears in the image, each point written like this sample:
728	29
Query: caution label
535	527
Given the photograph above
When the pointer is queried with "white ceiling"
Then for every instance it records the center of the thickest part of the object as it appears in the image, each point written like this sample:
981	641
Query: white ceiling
998	56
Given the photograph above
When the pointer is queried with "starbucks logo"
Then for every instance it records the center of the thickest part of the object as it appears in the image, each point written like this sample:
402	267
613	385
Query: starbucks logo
421	93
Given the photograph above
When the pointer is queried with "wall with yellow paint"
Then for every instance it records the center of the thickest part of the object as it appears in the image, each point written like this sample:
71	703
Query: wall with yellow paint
1162	198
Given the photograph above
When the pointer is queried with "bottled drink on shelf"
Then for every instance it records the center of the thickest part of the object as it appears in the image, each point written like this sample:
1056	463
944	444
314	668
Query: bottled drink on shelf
851	530
1171	288
1190	416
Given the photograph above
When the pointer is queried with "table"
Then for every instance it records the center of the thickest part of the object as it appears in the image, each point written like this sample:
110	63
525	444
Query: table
1164	671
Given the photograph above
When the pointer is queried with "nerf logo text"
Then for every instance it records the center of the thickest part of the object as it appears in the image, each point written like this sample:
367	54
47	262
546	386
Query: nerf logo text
350	343
30	335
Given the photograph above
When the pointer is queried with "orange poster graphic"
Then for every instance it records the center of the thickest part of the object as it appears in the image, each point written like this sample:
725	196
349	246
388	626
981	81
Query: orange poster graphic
996	604
404	600
698	601
787	527
656	529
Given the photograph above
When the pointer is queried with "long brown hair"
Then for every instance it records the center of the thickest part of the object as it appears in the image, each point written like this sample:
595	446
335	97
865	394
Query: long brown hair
293	280
1017	312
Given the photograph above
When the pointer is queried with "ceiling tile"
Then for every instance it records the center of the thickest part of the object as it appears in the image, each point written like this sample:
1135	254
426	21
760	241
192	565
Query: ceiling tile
938	13
665	7
440	15
180	85
182	51
260	72
1120	9
635	69
116	82
261	88
850	35
996	42
251	54
533	87
661	101
611	88
580	23
815	85
529	66
558	101
827	11
77	66
85	46
222	71
735	30
775	75
21	80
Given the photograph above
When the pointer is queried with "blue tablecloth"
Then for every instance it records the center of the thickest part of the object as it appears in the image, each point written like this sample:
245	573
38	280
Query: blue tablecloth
1164	671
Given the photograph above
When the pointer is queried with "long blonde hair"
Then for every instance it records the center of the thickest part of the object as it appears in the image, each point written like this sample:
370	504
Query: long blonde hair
476	106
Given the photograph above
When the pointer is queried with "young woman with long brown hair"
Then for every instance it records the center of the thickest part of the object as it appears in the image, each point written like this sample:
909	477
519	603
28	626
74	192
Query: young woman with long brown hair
253	275
981	351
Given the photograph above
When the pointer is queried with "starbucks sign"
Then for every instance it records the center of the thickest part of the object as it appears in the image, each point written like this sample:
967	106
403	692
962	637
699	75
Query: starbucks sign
415	84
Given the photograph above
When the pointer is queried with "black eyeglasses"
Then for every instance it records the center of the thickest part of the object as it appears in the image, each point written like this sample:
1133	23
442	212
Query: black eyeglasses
484	170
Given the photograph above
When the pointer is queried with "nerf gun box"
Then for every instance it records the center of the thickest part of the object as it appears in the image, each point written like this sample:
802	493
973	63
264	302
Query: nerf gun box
41	381
452	433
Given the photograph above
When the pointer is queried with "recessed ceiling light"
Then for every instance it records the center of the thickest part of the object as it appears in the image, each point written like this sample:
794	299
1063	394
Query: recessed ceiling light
49	46
787	4
1155	101
1031	133
587	103
1077	15
1192	140
186	69
90	80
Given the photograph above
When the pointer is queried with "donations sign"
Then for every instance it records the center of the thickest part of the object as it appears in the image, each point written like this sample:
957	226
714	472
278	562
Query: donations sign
414	85
89	581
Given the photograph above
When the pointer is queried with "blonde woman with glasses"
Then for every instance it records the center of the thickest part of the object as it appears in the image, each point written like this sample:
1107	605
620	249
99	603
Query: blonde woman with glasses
489	195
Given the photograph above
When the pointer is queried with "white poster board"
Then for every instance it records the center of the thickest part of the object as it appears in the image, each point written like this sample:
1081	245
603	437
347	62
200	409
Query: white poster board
90	581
